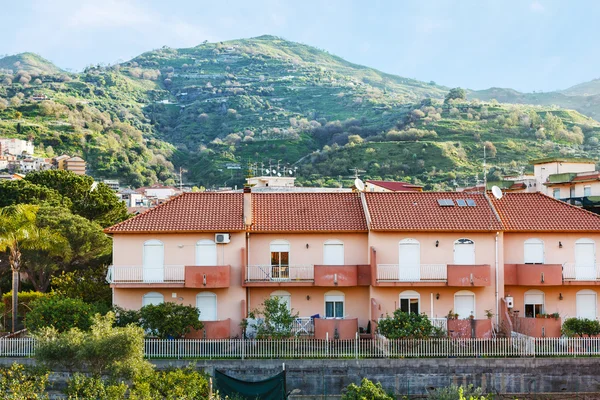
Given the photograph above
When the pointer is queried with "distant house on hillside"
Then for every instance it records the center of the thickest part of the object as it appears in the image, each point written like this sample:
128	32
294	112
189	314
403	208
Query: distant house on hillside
391	186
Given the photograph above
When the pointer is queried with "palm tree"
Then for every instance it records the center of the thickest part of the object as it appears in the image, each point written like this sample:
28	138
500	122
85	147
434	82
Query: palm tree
18	231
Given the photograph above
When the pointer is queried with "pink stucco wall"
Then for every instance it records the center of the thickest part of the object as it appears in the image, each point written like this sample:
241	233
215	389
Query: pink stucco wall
356	300
538	327
553	254
470	328
326	328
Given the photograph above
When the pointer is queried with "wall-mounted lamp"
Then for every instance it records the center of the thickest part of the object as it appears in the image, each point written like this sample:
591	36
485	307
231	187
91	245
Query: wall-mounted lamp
560	245
180	246
437	243
307	297
307	245
335	279
437	296
560	296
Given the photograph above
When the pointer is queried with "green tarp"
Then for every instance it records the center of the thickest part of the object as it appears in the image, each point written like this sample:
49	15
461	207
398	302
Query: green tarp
272	388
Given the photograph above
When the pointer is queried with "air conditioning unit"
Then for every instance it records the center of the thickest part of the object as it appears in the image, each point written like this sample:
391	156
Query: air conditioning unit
222	238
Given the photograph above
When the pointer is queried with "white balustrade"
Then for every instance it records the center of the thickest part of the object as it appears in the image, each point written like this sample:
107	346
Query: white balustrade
417	273
574	272
137	274
291	273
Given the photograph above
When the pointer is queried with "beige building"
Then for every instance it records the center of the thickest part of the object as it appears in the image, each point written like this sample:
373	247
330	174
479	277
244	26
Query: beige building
76	165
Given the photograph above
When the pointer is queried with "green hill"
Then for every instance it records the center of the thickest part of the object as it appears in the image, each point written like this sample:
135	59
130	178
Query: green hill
216	107
590	88
31	63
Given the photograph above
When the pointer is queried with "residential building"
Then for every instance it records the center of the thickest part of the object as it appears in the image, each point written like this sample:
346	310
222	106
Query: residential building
158	193
111	183
59	161
75	165
391	186
345	260
271	181
16	147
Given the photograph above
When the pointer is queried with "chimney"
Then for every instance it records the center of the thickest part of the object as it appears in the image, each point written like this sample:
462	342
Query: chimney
247	207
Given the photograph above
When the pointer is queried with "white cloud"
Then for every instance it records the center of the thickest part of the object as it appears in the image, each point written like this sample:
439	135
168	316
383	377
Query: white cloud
537	7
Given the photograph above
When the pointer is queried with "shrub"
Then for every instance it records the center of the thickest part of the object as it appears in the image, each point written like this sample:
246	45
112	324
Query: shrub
410	134
454	392
172	384
366	391
277	319
170	320
581	327
125	317
406	325
25	300
23	382
60	313
91	387
88	284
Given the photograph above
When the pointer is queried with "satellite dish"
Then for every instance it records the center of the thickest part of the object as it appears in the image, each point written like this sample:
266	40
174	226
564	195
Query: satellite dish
274	171
360	186
291	172
497	192
267	171
279	174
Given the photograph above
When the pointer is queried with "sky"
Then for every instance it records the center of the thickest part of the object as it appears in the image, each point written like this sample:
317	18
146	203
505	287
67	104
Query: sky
527	45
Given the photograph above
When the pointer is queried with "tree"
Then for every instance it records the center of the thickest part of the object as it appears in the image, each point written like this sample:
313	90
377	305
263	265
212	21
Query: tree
170	320
60	313
19	232
25	192
277	319
87	284
581	327
366	391
404	325
490	149
455	94
99	205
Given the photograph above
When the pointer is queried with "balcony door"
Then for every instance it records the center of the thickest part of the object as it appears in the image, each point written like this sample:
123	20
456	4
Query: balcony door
586	304
585	259
206	302
154	261
280	259
464	252
333	253
409	265
534	251
206	253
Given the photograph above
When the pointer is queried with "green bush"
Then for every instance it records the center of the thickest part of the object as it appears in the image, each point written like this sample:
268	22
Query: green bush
23	383
172	384
88	284
125	317
454	392
25	299
170	320
366	391
61	313
277	319
406	325
85	387
581	327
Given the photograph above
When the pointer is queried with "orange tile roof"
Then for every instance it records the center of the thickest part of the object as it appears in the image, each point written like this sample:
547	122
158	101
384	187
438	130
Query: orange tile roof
587	177
521	212
420	211
189	212
308	212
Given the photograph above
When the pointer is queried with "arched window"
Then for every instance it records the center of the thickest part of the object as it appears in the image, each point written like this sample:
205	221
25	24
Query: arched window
534	303
284	296
153	298
206	302
464	304
154	261
410	301
334	304
333	252
280	259
587	304
464	252
206	253
409	262
533	251
585	259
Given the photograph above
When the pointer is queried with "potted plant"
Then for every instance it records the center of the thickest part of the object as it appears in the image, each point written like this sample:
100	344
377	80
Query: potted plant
471	317
555	315
489	314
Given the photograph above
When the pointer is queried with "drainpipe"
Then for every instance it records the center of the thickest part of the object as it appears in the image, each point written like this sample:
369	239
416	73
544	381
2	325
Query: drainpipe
497	274
247	224
431	315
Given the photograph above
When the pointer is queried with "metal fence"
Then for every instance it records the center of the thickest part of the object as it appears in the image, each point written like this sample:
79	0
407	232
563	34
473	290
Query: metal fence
300	347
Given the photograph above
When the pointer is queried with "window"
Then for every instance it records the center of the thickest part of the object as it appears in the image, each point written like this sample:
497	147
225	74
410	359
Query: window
464	304
534	251
206	253
284	296
587	190
153	261
585	259
461	202
153	298
572	191
334	304
534	303
409	301
586	304
556	193
333	253
280	259
464	252
446	202
471	202
206	302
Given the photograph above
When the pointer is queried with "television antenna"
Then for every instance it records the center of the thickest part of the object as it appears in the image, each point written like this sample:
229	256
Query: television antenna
497	192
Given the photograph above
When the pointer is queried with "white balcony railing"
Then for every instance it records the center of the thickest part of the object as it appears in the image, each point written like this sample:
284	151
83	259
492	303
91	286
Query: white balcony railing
139	274
574	272
416	273
269	273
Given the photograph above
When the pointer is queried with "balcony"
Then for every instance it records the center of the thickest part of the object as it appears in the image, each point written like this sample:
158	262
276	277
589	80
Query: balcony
533	274
288	275
574	274
537	327
212	330
131	276
335	328
418	275
200	277
469	275
342	275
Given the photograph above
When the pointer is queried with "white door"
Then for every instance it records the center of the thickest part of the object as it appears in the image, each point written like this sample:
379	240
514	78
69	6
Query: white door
586	305
206	253
464	305
154	267
410	260
534	251
464	252
333	254
585	260
206	302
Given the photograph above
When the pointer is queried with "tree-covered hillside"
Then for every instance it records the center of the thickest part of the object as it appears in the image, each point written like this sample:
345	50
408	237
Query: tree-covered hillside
262	100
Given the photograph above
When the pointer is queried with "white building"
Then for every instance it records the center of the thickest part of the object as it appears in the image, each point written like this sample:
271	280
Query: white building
16	147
